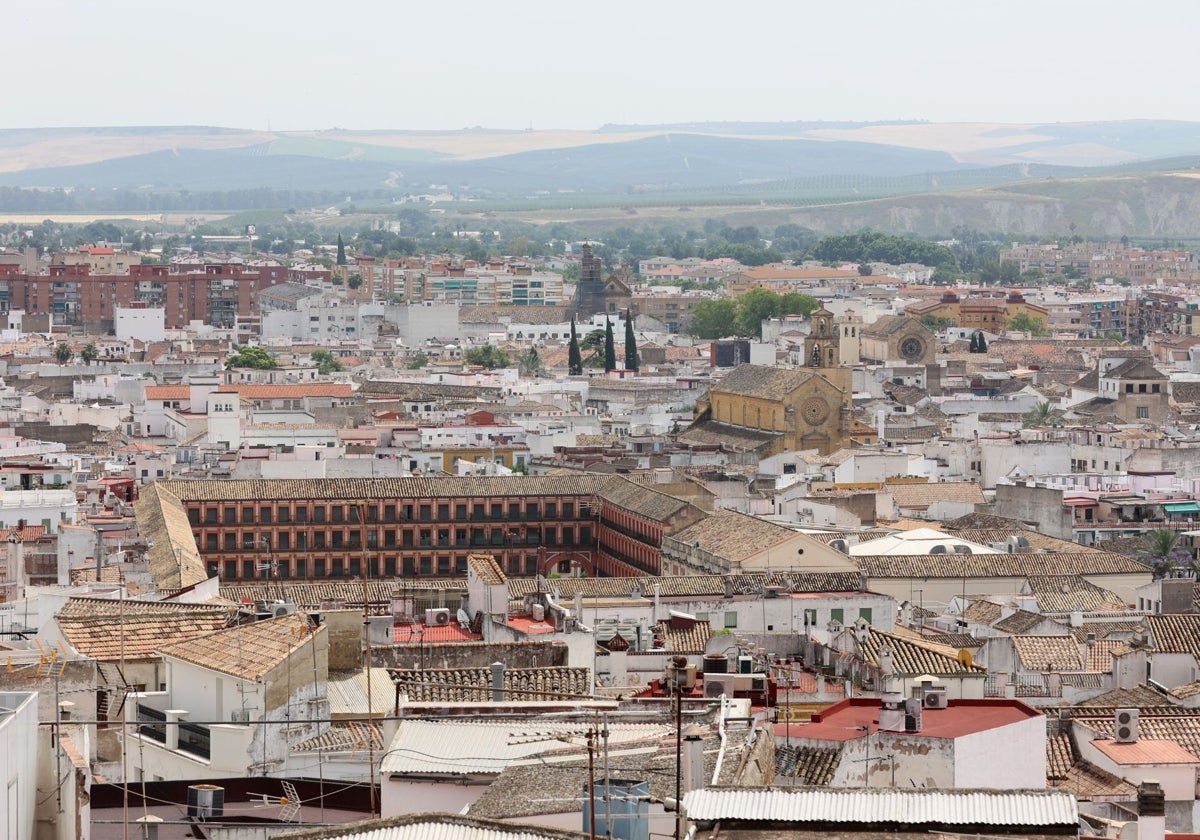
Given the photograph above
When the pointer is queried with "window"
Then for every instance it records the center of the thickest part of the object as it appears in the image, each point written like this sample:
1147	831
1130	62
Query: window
264	515
389	513
248	516
301	514
1143	412
284	541
319	567
837	614
355	567
730	620
230	569
230	516
285	515
551	510
568	510
338	568
443	512
248	569
865	614
810	618
426	565
426	512
231	542
319	513
193	516
389	567
339	539
514	511
210	542
338	513
460	512
443	565
318	539
408	567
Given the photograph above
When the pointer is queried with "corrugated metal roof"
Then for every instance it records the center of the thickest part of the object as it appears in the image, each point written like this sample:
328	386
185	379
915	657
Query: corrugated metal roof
460	747
348	693
905	807
431	827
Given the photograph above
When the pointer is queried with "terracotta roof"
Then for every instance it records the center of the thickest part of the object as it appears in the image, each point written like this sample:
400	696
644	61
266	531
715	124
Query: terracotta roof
710	432
734	536
515	314
1020	621
1138	697
1067	593
762	382
1116	630
920	496
350	736
1175	633
248	651
913	658
420	634
289	392
998	565
1059	755
175	562
693	639
983	612
645	501
486	569
109	638
1145	751
369	489
1181	726
168	392
474	685
81	607
1048	653
807	765
690	585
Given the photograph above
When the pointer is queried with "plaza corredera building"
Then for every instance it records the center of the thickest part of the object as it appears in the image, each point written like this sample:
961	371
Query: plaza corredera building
330	529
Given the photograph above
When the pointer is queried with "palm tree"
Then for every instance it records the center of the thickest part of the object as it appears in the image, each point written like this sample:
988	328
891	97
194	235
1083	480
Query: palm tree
1042	414
1160	548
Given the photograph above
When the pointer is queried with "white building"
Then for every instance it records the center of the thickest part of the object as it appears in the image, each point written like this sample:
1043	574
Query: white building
18	763
144	324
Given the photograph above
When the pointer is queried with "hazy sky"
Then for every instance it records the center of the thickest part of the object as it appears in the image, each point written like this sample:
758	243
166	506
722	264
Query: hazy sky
359	64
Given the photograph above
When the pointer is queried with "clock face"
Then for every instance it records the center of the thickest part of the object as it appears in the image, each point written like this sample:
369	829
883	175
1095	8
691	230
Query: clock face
911	349
814	411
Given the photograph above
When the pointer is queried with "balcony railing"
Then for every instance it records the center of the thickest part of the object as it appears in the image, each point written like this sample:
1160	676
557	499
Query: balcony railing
195	739
152	723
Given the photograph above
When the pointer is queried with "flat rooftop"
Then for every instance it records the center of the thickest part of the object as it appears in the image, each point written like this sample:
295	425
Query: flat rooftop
857	717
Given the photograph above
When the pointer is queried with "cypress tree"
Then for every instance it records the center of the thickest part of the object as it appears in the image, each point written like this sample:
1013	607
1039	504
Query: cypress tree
341	252
574	357
631	353
610	349
982	343
974	348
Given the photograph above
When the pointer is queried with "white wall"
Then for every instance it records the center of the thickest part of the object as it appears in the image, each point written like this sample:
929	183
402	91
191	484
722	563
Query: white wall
142	324
1012	757
18	764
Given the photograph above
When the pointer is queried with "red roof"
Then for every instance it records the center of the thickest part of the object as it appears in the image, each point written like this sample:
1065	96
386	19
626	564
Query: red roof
842	720
526	624
1145	752
413	634
168	392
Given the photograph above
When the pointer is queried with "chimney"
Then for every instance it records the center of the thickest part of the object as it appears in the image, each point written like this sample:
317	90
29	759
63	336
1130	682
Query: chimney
693	758
1152	809
497	682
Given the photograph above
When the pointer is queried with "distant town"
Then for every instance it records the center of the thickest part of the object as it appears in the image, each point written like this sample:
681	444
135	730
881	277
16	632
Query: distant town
308	541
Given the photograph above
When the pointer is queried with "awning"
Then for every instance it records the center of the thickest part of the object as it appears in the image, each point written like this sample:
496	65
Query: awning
1181	507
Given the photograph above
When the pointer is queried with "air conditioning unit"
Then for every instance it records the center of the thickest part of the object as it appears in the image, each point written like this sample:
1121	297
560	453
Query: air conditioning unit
280	610
204	801
439	617
1125	726
717	684
934	700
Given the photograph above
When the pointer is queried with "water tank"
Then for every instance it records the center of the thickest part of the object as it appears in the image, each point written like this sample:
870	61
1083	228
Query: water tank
715	663
539	612
205	801
628	809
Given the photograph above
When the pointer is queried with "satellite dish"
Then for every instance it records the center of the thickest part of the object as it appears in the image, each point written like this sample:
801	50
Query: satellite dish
965	659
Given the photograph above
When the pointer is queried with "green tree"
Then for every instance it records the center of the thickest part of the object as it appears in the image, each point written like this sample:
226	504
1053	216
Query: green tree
354	281
63	353
89	353
798	303
714	318
1161	550
1042	414
418	361
974	348
982	343
341	251
936	323
631	351
530	364
326	363
753	308
574	357
1024	322
251	357
487	356
610	349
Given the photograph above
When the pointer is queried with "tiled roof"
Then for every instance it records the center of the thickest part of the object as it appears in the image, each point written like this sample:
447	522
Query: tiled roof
762	382
486	569
1138	697
1181	726
710	432
289	392
474	685
999	565
515	314
349	736
175	562
1105	630
311	595
1048	653
420	634
82	608
1099	654
918	496
887	325
168	392
1087	781
110	638
1182	692
983	612
807	765
1145	751
1140	368
1175	633
734	536
692	639
913	658
367	489
1059	755
644	501
247	651
691	585
1020	621
991	536
1067	593
431	826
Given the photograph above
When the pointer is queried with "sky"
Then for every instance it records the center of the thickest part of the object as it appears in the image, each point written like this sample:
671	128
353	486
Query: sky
558	64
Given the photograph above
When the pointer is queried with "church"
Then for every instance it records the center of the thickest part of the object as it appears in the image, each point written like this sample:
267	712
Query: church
594	294
767	410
